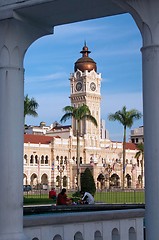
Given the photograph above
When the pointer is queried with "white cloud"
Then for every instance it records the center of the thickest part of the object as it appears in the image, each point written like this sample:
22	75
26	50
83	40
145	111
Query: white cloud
54	76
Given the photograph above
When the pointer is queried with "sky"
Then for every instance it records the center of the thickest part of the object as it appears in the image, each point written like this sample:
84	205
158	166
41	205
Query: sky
114	43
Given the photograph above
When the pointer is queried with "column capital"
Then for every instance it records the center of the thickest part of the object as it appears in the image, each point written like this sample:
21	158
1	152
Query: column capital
146	15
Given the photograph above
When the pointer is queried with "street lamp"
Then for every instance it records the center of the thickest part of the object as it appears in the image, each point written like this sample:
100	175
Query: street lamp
61	169
108	170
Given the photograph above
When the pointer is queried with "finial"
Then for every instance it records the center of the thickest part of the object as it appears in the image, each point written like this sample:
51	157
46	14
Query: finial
85	52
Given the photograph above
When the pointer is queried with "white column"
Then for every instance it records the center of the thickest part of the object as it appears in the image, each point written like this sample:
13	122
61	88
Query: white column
15	37
146	15
150	56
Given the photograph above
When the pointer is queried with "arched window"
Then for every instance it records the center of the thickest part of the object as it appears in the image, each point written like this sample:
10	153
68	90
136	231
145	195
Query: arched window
78	236
139	179
44	179
57	159
132	234
61	160
57	181
128	180
36	159
46	160
25	159
65	160
65	181
115	234
31	159
57	237
98	236
42	159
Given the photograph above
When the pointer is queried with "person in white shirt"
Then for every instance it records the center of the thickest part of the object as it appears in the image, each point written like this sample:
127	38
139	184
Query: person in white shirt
88	198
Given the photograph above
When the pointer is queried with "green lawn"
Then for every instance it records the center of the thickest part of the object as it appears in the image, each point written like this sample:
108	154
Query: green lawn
102	197
120	197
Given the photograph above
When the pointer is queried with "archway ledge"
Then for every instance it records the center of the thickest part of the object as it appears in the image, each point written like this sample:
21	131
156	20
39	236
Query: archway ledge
53	13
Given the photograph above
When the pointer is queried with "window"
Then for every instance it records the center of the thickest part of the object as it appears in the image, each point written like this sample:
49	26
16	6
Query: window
65	161
25	159
115	234
61	160
46	160
31	159
42	159
36	159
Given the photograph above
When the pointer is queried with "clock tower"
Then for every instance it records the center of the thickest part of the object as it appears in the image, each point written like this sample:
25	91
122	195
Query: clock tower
85	89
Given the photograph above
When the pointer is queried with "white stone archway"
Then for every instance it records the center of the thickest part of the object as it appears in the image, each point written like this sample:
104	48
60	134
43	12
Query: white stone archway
21	23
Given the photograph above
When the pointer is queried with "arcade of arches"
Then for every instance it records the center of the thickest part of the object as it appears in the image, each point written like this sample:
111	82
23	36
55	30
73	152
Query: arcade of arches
46	170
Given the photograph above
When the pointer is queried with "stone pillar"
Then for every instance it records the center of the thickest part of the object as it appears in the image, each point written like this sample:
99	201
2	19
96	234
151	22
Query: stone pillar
15	38
146	15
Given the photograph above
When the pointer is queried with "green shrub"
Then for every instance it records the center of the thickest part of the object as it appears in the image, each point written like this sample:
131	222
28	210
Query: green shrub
87	182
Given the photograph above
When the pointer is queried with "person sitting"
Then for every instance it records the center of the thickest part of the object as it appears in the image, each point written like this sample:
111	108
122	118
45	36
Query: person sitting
52	194
87	198
62	198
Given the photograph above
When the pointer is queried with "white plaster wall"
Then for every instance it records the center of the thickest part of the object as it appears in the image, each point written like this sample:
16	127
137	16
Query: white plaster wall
85	223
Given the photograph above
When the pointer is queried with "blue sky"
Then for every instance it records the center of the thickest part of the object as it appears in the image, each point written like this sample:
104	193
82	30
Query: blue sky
114	43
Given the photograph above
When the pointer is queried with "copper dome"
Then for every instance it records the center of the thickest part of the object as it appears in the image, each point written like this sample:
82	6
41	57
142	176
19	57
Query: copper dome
85	62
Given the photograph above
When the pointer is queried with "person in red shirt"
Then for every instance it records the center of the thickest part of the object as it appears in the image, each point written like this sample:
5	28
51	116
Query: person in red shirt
52	194
62	198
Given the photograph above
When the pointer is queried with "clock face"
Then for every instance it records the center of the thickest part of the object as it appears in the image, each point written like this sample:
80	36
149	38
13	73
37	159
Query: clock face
92	86
79	86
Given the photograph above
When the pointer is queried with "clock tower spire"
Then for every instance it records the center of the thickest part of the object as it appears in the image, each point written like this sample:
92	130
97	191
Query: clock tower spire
85	89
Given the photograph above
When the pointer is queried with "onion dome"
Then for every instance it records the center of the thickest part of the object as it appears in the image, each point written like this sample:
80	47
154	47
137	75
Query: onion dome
85	62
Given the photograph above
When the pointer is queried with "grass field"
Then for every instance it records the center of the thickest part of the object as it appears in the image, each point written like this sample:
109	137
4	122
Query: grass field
110	197
120	197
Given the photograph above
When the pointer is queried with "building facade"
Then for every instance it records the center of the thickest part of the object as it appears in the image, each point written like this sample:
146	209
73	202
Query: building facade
137	135
50	152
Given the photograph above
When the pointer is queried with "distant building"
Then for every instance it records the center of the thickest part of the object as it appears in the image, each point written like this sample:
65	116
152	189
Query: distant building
50	151
137	135
104	131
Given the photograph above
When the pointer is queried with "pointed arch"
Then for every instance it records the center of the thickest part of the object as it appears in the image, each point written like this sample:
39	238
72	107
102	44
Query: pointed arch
115	234
132	234
98	235
78	236
57	237
4	56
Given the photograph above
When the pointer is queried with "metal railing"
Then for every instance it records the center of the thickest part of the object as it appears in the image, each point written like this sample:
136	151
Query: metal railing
113	196
121	196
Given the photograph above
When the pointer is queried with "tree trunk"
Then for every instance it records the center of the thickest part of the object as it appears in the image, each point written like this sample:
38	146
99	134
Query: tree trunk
124	166
78	159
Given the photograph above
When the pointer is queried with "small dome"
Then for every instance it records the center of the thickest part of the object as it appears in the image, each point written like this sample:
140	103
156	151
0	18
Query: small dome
85	62
42	124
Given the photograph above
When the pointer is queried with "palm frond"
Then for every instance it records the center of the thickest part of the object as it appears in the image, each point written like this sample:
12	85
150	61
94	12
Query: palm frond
91	119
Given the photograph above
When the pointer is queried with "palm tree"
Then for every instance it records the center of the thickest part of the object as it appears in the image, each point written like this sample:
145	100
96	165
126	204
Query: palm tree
139	154
126	118
30	107
78	113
